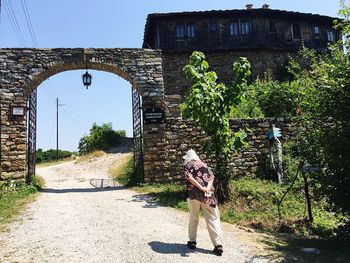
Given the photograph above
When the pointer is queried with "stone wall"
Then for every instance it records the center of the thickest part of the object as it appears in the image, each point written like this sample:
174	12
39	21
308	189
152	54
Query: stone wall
262	61
181	135
22	71
252	160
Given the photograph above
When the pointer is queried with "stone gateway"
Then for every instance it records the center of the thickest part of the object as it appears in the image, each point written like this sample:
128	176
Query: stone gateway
22	71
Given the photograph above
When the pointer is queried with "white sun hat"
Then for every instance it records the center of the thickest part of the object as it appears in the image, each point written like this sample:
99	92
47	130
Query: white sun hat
190	155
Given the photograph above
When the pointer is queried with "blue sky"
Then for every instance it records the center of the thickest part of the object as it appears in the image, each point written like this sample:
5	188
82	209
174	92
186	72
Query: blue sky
102	24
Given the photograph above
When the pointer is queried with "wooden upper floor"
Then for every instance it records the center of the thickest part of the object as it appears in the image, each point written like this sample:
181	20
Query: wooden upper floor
237	29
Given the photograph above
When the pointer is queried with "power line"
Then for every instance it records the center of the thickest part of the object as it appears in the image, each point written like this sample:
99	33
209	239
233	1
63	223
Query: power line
13	26
29	22
76	122
16	22
48	85
12	15
0	10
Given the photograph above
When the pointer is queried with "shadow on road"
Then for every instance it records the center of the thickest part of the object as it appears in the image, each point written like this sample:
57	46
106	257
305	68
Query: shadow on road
175	248
104	183
149	200
80	190
307	250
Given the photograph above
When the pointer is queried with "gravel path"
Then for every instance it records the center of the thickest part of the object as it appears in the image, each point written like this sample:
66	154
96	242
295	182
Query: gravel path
72	221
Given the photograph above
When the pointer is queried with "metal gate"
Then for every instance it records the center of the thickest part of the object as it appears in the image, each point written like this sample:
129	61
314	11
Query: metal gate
31	128
137	133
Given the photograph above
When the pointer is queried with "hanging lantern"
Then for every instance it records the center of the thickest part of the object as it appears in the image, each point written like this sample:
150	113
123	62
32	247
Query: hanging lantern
87	79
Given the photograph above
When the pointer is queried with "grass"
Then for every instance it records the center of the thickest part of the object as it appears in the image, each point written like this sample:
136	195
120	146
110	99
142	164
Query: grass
89	156
14	199
255	204
123	172
122	168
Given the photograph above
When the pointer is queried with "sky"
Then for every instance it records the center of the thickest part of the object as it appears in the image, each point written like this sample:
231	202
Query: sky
101	24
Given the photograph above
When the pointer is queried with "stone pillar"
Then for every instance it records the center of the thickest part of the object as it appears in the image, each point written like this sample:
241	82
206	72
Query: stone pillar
153	137
13	137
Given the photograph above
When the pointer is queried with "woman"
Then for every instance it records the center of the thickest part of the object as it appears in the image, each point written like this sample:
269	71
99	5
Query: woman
200	191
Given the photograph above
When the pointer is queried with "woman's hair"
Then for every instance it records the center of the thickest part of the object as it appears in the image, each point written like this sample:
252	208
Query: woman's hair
191	155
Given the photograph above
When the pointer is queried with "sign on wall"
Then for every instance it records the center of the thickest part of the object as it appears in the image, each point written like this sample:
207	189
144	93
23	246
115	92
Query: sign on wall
153	115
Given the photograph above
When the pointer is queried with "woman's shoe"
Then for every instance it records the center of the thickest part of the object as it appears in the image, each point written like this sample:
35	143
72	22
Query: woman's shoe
218	250
191	244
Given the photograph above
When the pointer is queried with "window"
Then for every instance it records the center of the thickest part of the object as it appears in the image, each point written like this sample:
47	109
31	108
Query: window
330	36
185	30
245	28
317	30
190	30
180	31
213	26
296	31
234	28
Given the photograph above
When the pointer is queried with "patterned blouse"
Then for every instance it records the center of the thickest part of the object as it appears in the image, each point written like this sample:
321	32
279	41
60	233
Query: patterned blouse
202	174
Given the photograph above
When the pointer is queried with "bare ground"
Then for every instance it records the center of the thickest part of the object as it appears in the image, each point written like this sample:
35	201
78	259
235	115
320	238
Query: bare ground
74	219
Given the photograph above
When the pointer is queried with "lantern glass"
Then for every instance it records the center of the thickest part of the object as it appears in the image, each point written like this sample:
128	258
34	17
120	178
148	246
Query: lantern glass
87	79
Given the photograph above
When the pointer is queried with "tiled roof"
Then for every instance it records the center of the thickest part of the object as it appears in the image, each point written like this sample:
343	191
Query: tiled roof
251	12
254	11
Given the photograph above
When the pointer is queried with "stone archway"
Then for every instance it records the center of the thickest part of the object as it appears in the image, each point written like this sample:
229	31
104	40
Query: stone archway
22	71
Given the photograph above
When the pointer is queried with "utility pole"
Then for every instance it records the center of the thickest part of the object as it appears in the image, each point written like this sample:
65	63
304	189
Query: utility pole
57	104
57	129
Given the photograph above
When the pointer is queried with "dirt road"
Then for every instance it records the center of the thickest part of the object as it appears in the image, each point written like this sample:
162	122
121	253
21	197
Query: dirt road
74	221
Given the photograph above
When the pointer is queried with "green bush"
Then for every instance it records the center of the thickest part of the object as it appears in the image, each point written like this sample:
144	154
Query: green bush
255	201
14	195
100	138
51	155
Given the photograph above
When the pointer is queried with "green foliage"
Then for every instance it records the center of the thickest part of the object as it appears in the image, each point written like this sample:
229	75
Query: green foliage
125	173
268	98
209	104
326	141
331	142
286	99
100	138
51	155
14	195
254	203
249	106
344	26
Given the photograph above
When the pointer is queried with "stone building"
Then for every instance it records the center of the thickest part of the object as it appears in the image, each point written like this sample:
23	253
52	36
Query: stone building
253	28
265	36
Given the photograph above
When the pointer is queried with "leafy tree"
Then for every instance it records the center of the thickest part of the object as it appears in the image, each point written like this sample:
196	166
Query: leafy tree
51	155
270	98
249	106
282	99
100	138
326	142
209	104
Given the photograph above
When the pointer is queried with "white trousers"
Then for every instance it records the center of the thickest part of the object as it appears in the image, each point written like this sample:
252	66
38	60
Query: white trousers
212	218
